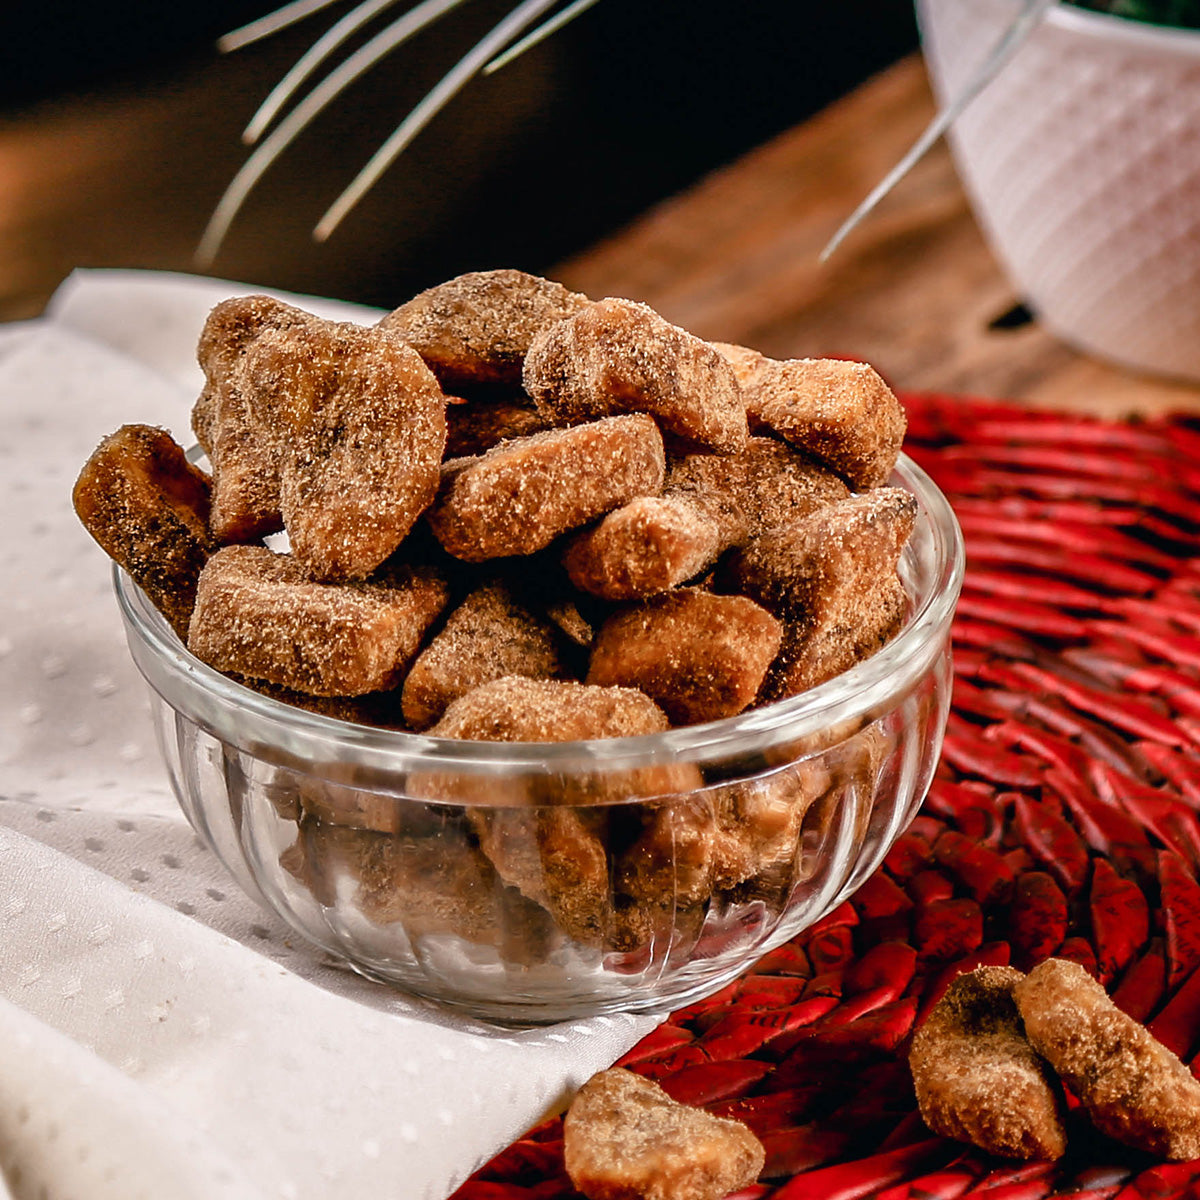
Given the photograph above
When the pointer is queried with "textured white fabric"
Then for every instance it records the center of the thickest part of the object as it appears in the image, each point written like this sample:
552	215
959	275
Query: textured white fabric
164	1037
154	316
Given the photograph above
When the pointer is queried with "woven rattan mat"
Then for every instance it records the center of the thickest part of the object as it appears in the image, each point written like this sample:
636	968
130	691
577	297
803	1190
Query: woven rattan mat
1063	820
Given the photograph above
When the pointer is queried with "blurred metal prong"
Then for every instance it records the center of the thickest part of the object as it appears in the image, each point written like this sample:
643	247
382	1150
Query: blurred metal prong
273	22
327	43
451	83
286	132
540	34
1010	42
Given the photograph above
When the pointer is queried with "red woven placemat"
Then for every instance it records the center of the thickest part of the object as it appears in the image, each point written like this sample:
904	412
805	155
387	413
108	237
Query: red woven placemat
1063	820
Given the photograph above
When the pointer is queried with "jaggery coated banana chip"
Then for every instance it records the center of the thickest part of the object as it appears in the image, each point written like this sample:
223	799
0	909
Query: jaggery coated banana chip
546	844
538	710
643	548
332	430
624	1138
670	863
363	420
475	426
831	578
664	861
835	792
556	857
841	412
978	1079
259	614
710	502
377	709
759	822
521	495
810	654
355	808
1133	1087
476	329
147	507
571	621
244	447
856	765
533	710
767	849
764	486
700	656
489	635
618	356
346	794
246	501
430	886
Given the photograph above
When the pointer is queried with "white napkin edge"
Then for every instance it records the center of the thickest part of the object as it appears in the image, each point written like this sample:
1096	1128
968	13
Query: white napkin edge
155	317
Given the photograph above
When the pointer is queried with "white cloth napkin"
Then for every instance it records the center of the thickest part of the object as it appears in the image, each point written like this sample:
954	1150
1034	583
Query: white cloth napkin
162	1036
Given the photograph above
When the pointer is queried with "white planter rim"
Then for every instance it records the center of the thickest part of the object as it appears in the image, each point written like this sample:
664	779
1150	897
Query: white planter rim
1122	31
1035	168
1125	30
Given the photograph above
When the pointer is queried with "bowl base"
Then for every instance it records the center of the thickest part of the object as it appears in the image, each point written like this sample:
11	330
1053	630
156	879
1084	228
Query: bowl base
517	1012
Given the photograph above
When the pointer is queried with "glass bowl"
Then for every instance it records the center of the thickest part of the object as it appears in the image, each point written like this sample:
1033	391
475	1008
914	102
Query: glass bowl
529	883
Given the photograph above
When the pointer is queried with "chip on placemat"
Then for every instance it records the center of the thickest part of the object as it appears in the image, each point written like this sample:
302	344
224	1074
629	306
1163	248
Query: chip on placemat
1133	1087
624	1138
976	1076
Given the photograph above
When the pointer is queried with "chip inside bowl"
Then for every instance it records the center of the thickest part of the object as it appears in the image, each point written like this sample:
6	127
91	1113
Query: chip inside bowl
461	669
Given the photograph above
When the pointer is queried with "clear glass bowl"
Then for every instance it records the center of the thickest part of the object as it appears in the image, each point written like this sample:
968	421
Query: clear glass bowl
541	882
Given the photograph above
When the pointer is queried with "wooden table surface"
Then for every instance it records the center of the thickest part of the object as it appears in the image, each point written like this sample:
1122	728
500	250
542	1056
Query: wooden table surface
914	291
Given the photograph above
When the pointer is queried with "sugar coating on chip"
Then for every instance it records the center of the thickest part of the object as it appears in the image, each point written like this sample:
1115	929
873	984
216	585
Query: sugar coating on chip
619	356
813	652
570	619
521	495
763	486
147	507
363	424
259	614
476	329
700	656
533	710
332	430
670	863
710	502
1133	1088
555	852
831	578
624	1137
475	426
813	564
556	856
376	709
645	547
976	1076
241	439
842	412
758	822
488	636
514	709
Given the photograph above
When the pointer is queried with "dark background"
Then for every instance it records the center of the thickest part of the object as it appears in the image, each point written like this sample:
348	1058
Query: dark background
629	104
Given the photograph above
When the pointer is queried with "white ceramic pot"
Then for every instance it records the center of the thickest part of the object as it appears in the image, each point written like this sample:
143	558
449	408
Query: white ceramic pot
1082	161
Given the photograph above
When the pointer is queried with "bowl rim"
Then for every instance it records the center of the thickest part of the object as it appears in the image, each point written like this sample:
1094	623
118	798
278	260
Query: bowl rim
244	717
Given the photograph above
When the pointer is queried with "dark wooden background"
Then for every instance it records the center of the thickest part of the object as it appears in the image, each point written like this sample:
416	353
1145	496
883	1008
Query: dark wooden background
119	128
